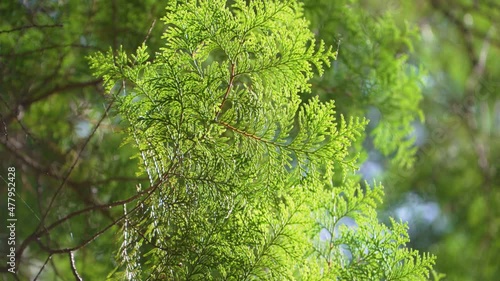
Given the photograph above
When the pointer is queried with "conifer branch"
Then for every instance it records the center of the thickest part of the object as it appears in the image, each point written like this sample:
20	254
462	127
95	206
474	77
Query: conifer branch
227	214
241	132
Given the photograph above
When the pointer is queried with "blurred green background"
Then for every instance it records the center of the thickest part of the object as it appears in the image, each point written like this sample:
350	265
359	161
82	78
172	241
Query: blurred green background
389	53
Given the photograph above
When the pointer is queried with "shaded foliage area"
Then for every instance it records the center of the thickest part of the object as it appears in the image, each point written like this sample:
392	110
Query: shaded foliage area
57	132
457	160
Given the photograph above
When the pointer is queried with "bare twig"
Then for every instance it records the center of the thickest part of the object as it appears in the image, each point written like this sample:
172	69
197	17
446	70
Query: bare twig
149	31
49	257
228	90
479	67
31	26
99	233
15	114
74	164
12	146
6	133
73	266
37	234
93	208
46	94
42	49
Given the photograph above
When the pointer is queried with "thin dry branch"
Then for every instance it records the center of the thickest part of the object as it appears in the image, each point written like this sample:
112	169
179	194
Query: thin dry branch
149	31
49	257
73	266
31	26
74	164
58	89
228	90
35	236
148	192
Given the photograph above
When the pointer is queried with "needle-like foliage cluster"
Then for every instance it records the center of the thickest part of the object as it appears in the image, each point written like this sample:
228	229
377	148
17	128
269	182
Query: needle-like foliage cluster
240	168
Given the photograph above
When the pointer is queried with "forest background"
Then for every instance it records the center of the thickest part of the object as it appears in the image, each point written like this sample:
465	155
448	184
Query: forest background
449	192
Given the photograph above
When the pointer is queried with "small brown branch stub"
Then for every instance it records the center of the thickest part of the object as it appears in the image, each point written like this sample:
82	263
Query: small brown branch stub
241	132
228	90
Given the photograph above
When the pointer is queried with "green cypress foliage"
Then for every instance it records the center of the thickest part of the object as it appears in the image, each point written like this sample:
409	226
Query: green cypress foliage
372	72
240	168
